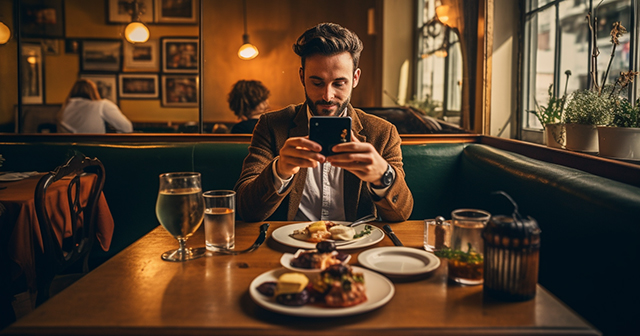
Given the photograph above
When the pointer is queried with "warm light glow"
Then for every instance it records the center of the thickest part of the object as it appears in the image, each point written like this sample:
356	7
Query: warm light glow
136	32
443	13
5	33
31	60
441	53
247	51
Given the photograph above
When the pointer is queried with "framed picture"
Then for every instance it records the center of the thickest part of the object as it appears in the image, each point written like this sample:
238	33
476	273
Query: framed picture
42	18
106	85
180	90
71	46
180	54
172	11
51	47
141	56
138	86
101	55
118	11
32	68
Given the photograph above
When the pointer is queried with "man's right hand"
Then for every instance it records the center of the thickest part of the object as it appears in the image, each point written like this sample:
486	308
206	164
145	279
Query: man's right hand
296	153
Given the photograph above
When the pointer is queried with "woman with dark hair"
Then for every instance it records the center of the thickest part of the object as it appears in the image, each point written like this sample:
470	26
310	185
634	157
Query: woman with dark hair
85	112
248	100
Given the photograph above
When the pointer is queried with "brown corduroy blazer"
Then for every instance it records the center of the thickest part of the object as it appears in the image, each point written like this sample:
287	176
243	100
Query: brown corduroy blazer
258	200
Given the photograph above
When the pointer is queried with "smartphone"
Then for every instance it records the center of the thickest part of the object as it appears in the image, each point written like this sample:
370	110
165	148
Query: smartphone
329	131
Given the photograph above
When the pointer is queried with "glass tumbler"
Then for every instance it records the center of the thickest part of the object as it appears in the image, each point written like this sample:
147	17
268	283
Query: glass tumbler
219	219
466	261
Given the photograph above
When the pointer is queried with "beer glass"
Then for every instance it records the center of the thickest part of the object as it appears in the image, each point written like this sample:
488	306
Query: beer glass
180	210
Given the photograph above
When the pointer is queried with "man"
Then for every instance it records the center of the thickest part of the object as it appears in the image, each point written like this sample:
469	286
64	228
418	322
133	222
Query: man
285	177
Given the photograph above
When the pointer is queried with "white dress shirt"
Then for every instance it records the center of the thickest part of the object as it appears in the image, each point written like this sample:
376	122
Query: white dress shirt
83	115
323	194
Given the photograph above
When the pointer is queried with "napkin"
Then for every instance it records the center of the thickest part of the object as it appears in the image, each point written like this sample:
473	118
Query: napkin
17	176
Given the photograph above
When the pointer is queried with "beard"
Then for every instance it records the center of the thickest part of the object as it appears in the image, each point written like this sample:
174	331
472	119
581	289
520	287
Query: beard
316	111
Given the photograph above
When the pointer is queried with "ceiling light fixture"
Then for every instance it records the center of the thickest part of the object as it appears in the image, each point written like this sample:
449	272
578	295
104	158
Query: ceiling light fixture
247	51
5	33
136	31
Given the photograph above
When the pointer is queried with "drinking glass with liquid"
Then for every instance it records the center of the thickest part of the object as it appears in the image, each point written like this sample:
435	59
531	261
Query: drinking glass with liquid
219	219
466	259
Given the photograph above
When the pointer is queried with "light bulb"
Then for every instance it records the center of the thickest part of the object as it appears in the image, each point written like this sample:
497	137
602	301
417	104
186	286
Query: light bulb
248	51
5	33
136	32
442	12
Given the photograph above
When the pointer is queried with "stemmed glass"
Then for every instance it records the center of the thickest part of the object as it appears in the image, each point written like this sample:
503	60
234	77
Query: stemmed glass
180	210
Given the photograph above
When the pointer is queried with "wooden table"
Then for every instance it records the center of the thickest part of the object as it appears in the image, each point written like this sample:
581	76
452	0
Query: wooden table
136	292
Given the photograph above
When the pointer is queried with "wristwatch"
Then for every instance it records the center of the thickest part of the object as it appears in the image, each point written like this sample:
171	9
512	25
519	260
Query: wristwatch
386	179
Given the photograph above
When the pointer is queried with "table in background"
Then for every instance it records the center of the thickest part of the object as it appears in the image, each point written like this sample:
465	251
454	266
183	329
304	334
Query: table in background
19	229
136	292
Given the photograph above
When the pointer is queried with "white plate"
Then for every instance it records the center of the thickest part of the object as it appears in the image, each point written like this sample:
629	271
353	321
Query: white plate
16	176
281	235
286	258
399	261
378	288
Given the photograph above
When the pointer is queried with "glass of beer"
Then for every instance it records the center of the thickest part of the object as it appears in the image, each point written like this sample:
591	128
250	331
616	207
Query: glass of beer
219	219
180	210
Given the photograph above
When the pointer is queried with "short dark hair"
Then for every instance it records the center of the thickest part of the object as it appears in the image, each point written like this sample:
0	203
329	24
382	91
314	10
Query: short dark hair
245	96
328	39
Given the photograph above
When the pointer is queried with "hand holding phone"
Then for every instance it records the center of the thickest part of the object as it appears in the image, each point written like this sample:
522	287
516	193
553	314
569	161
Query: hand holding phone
329	131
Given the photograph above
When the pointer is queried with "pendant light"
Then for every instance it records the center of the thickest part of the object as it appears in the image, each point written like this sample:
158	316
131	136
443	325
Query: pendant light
247	51
5	32
136	31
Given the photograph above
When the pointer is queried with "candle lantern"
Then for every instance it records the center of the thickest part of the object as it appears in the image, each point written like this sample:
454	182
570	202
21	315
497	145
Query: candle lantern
511	256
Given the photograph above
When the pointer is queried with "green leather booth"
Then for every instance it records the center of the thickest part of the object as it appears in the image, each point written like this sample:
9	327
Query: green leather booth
590	224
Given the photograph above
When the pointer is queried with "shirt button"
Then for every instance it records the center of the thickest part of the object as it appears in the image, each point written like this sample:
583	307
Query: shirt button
394	199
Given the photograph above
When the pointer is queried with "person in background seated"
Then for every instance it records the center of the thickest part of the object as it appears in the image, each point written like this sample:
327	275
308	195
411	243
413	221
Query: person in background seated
85	112
248	100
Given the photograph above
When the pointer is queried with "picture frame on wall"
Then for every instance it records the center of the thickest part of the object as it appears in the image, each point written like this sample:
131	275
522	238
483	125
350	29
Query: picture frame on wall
171	11
107	85
42	18
101	55
51	46
180	91
139	86
32	69
141	56
180	54
118	11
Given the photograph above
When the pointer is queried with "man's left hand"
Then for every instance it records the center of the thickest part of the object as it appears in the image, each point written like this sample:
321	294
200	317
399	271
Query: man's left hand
361	159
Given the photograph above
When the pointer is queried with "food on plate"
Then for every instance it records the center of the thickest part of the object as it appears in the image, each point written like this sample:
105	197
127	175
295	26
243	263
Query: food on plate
341	286
337	286
322	257
324	230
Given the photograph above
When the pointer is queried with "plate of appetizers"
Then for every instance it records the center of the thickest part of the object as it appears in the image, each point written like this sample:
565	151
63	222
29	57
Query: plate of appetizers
323	294
398	261
302	235
314	261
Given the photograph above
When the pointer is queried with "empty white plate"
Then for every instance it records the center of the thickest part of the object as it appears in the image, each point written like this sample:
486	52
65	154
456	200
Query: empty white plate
399	261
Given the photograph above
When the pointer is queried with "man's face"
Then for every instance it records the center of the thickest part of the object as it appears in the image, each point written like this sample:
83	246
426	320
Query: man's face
328	82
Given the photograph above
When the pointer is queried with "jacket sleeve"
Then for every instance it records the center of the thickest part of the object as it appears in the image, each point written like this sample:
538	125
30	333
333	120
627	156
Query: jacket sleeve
256	195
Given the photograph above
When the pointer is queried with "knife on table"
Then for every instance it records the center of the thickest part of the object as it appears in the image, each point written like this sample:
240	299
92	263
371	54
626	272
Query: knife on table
392	235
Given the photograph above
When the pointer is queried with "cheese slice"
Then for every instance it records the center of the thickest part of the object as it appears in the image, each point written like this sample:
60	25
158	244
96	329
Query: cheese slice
291	283
317	226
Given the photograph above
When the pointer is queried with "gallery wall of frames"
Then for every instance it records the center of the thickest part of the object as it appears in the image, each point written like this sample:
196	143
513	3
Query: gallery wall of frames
147	80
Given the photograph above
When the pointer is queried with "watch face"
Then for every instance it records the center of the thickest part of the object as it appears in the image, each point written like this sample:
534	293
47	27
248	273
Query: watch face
387	178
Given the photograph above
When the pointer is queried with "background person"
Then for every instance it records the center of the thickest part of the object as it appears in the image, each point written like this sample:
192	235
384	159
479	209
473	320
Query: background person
248	100
284	176
85	112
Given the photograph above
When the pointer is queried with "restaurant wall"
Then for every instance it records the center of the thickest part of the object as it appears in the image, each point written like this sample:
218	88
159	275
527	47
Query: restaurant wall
273	27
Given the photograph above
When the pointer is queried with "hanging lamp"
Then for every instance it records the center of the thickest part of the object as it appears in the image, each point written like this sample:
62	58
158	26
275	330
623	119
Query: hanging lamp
247	51
5	33
136	31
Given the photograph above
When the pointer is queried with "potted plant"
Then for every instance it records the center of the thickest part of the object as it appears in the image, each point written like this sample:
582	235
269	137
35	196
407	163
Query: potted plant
550	116
593	107
620	139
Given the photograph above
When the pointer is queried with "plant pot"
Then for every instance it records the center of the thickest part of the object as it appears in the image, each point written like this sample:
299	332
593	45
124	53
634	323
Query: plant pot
555	135
619	142
582	138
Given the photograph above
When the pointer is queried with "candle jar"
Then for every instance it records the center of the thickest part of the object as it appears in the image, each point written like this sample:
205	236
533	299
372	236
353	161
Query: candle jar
511	251
465	259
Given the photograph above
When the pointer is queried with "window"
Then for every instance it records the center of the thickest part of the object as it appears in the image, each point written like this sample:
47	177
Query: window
556	39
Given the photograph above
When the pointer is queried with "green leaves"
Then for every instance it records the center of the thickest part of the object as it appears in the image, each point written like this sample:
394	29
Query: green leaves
470	257
366	231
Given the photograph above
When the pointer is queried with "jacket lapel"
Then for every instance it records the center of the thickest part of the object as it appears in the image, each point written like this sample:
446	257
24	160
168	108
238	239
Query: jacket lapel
299	128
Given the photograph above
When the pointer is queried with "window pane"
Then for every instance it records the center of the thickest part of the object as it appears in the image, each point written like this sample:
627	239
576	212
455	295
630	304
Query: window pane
541	31
574	53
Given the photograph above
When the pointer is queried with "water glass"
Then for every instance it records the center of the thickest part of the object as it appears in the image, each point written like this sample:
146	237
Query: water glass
466	262
219	219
